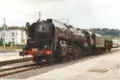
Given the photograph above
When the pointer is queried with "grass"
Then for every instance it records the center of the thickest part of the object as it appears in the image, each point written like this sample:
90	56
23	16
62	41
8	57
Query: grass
13	48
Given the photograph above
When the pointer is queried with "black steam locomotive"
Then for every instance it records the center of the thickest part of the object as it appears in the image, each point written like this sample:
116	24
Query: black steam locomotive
52	40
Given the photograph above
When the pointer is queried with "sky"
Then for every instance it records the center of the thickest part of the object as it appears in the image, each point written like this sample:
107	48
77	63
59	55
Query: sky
79	13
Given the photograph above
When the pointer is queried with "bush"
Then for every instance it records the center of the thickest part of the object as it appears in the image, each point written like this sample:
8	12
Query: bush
1	43
8	44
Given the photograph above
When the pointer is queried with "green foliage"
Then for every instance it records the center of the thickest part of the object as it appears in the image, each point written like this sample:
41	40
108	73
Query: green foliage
1	43
106	31
8	44
17	45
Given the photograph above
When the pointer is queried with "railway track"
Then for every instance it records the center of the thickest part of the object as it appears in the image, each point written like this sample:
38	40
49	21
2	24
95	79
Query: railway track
14	70
32	66
18	69
3	63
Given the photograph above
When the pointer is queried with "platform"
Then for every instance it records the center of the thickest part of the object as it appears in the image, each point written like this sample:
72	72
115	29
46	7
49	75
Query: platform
104	67
6	56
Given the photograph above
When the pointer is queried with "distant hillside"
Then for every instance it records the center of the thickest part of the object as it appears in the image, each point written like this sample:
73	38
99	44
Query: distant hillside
106	31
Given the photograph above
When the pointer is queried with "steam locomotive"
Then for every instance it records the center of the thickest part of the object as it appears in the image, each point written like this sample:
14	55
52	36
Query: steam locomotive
52	40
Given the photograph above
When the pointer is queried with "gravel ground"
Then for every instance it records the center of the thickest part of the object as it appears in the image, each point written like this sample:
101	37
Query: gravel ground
105	67
5	56
102	67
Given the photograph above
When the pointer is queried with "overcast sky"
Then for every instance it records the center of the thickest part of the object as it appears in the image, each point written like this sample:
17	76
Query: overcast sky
81	13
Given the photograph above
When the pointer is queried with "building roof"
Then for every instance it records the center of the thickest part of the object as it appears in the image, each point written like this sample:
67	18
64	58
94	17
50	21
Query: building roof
14	28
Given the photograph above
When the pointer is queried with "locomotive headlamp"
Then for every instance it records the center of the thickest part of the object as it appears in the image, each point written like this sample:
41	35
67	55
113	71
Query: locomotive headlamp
34	49
48	52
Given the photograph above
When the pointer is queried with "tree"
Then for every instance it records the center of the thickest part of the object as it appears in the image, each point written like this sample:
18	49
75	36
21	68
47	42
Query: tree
1	42
106	31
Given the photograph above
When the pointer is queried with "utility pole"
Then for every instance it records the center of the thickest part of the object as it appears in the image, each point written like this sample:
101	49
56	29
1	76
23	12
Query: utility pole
39	15
4	34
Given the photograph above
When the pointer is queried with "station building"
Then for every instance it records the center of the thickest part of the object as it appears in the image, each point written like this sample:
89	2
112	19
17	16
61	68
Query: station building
14	35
